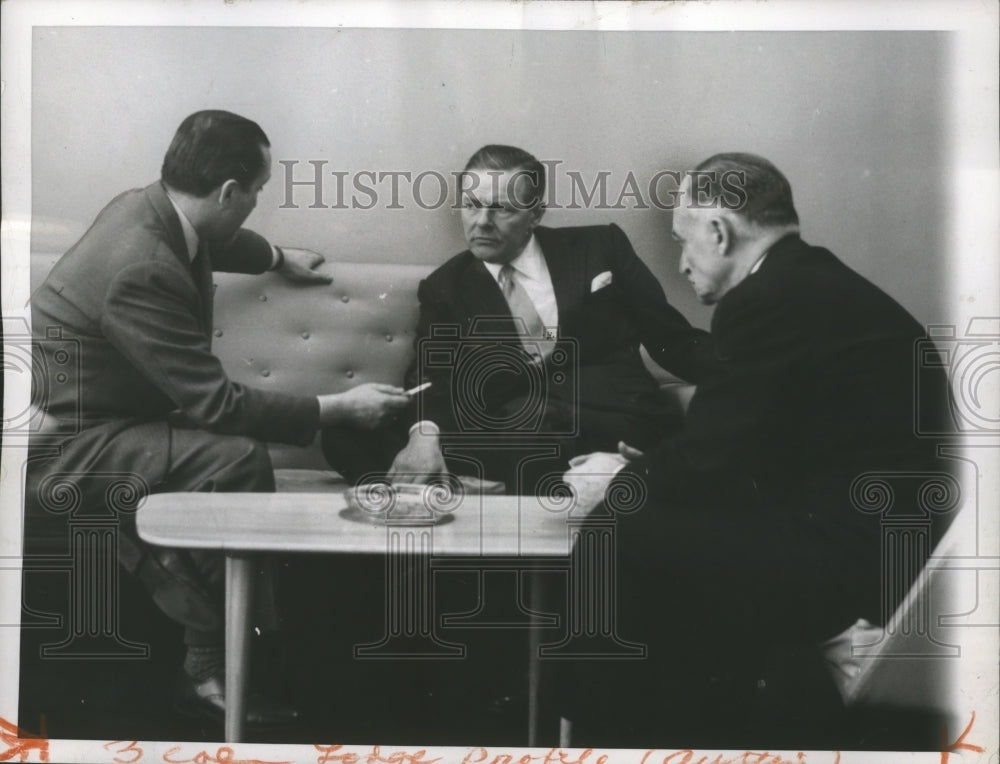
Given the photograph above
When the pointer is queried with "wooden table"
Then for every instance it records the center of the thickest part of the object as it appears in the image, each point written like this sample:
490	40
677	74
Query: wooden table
242	525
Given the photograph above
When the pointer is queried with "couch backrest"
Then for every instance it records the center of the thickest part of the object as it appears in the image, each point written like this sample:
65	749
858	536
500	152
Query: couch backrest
317	339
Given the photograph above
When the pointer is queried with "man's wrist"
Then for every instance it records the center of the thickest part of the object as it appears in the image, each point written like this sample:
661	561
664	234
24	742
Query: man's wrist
277	257
424	427
329	411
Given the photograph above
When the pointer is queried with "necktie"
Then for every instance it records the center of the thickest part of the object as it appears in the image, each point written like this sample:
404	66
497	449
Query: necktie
535	340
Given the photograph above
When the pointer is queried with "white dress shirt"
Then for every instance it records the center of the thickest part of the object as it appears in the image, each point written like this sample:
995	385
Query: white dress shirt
532	273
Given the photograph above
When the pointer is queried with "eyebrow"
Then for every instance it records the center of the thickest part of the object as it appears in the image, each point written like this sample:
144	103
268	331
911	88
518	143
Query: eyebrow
493	205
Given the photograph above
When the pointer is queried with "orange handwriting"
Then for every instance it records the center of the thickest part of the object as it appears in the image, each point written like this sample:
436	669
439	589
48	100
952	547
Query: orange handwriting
17	742
130	747
224	755
959	744
687	756
554	756
332	754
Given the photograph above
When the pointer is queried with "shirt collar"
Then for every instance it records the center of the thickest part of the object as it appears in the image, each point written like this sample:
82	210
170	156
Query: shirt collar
760	262
530	263
190	235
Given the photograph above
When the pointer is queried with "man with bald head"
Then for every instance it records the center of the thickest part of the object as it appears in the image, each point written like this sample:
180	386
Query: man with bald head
747	541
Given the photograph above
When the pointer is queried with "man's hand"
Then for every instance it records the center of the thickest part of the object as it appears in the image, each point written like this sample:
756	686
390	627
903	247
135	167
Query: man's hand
300	266
590	474
628	452
366	406
419	461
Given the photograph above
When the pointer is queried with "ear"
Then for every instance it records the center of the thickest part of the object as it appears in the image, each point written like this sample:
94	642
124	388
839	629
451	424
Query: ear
722	233
227	191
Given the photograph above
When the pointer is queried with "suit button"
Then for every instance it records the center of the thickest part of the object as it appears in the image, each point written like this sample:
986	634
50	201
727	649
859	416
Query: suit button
263	298
388	338
345	298
217	332
350	374
305	335
266	373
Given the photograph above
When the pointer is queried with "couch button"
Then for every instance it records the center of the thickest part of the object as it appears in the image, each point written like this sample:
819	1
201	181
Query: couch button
388	338
218	332
305	335
266	373
263	298
350	374
345	298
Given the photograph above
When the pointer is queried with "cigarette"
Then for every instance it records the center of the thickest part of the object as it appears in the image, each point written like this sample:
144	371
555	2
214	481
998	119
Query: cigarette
417	389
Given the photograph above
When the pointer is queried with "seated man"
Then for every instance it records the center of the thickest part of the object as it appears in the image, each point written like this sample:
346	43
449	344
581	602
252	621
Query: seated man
530	342
152	404
748	537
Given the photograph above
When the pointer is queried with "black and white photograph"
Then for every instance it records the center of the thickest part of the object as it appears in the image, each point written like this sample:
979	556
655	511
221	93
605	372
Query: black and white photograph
492	382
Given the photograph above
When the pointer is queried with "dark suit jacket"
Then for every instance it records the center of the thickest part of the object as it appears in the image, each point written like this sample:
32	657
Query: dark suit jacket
139	321
601	373
813	386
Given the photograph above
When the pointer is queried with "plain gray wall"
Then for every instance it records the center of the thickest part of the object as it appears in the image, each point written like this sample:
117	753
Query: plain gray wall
856	121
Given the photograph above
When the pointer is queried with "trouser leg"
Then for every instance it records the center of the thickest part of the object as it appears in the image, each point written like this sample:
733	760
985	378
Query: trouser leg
152	457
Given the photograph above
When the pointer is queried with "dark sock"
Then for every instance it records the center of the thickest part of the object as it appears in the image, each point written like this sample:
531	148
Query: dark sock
200	663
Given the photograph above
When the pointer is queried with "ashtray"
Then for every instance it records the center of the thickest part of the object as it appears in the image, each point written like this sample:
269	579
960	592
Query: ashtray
409	504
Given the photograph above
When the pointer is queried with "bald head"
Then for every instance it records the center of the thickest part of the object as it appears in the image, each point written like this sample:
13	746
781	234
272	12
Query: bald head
730	210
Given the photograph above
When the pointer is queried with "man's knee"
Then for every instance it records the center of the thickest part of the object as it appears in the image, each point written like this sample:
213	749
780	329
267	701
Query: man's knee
201	461
251	471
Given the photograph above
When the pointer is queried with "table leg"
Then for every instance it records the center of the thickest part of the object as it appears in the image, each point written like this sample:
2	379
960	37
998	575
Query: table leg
239	591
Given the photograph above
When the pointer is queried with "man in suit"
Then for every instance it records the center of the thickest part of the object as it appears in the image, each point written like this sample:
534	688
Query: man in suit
530	341
152	402
748	537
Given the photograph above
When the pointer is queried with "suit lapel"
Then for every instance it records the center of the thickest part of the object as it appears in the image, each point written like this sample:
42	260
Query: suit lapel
482	297
567	271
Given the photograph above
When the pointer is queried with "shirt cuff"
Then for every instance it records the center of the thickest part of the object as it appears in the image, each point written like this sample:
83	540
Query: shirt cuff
324	407
426	427
277	257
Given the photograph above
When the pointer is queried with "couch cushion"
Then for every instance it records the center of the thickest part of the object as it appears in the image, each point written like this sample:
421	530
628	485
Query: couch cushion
273	334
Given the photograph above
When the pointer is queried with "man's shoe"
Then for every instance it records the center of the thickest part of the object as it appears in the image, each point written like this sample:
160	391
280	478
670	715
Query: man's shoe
207	699
174	584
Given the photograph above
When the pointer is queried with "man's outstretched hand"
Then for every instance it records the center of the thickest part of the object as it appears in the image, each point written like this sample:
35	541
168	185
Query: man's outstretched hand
300	266
366	406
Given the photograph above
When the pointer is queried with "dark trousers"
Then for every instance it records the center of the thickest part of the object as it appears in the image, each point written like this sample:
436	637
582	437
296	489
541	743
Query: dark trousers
102	471
715	593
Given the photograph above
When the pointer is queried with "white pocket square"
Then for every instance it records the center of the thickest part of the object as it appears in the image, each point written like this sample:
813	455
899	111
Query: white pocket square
600	281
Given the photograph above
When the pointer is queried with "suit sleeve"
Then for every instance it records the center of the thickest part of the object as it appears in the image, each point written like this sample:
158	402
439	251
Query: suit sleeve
245	252
150	316
670	340
757	348
434	403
